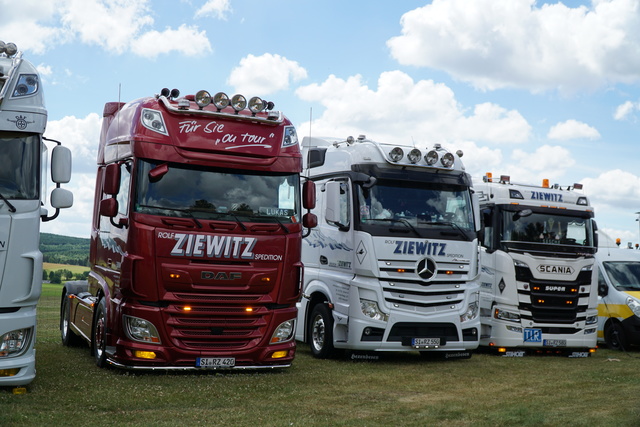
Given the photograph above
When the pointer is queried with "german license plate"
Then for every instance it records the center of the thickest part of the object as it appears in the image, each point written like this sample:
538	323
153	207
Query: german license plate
215	362
425	342
554	343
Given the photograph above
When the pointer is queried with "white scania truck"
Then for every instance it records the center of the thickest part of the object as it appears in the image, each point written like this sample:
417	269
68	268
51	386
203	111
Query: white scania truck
538	281
23	159
393	263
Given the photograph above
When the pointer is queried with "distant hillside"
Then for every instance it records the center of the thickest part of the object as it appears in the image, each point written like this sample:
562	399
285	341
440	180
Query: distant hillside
64	249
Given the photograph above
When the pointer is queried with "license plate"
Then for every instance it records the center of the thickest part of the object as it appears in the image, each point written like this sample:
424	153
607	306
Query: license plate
554	343
425	342
215	362
532	335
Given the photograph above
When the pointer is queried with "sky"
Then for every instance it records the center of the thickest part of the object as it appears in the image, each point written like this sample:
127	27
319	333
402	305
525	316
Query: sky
530	89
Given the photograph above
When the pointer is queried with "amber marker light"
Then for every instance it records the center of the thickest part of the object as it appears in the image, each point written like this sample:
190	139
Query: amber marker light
448	272
401	270
248	309
144	354
265	279
174	275
279	354
186	308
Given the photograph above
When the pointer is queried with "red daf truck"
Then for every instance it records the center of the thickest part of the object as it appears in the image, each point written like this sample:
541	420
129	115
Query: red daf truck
196	236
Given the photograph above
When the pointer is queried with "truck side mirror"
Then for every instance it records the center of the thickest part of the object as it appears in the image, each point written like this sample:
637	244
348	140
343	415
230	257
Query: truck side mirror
111	183
332	211
109	207
61	198
603	290
60	165
310	220
309	194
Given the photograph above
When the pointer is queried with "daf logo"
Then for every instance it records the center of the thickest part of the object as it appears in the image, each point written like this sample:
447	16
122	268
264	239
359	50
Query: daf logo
210	275
426	268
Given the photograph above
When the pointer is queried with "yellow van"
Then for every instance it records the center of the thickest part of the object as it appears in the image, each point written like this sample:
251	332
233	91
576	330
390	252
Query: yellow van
618	297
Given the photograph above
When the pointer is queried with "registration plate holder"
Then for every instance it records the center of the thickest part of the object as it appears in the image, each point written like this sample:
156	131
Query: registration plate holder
554	343
215	362
425	342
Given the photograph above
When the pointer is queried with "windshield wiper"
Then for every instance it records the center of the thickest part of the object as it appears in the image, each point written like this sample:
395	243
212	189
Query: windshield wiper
187	211
12	208
400	220
450	224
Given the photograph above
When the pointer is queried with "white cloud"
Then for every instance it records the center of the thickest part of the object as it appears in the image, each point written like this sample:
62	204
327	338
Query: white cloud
518	43
624	110
572	129
615	189
401	110
547	161
117	26
81	136
265	74
186	40
214	8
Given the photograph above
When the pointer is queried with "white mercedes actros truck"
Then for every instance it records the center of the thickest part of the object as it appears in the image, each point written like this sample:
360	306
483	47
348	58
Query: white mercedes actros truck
393	263
538	279
23	160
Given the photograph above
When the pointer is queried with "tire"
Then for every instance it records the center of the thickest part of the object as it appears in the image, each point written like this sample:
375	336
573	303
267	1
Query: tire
321	332
615	337
69	338
99	334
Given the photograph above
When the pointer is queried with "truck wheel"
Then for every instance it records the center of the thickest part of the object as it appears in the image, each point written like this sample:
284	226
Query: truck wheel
99	338
615	337
321	332
69	338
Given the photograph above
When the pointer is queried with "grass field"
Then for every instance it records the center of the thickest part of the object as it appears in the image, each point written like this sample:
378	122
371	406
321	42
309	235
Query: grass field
49	266
400	389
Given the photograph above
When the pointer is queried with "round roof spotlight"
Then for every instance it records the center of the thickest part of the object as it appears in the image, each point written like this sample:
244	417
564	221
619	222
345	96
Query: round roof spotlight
221	100
175	93
238	102
203	98
2	46
431	157
165	92
256	105
447	160
350	140
11	49
414	155
459	153
396	154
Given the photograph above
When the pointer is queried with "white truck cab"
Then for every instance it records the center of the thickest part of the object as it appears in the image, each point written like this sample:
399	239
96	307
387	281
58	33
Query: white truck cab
393	262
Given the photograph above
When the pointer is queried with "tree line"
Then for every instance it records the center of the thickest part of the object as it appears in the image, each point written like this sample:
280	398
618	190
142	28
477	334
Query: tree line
64	249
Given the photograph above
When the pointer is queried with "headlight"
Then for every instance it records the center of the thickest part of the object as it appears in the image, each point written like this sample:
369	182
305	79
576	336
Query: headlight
501	314
284	332
471	313
634	305
431	157
591	320
447	160
27	85
370	309
14	343
203	98
141	330
414	155
152	120
396	154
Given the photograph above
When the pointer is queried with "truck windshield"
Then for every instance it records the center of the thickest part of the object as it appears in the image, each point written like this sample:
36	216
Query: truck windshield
421	209
546	228
206	193
624	275
19	165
